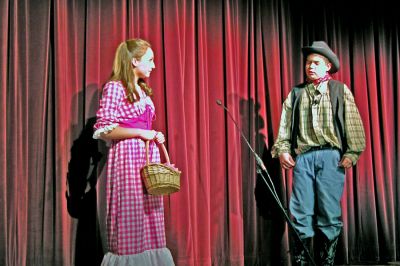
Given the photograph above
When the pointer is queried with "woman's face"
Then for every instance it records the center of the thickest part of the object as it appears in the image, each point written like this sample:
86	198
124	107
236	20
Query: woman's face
145	65
316	66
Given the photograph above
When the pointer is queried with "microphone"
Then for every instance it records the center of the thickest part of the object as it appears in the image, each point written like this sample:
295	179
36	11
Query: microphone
270	185
258	159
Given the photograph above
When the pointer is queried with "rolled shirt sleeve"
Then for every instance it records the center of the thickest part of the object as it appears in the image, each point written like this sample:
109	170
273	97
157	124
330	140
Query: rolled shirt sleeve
355	134
283	141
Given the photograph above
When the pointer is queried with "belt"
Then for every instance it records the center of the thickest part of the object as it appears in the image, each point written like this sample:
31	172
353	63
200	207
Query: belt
322	147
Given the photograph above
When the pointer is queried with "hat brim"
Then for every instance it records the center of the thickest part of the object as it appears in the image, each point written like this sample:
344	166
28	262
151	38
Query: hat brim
333	59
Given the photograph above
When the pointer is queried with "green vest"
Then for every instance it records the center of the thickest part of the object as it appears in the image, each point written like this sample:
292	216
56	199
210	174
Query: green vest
336	94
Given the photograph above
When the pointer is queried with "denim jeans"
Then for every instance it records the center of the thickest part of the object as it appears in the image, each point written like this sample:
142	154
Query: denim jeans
317	190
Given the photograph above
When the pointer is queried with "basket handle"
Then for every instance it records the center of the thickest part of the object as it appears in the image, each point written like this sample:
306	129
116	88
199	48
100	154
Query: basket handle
163	149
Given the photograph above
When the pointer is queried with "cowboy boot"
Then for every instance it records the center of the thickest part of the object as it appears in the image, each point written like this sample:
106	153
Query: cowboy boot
326	250
300	255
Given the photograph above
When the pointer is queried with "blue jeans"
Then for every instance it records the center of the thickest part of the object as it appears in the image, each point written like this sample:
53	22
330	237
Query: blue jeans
318	184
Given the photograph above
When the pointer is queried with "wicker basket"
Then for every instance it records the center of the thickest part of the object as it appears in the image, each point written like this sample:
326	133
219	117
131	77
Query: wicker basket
160	179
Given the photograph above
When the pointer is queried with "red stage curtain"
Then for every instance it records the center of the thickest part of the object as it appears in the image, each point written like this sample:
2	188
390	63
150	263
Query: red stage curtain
56	55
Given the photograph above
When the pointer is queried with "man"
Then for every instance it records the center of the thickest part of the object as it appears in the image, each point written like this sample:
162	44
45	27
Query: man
320	135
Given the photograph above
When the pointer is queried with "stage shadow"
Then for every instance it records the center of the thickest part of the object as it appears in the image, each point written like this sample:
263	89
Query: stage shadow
270	222
87	159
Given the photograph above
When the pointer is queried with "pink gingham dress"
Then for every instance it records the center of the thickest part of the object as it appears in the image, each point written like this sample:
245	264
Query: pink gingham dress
135	219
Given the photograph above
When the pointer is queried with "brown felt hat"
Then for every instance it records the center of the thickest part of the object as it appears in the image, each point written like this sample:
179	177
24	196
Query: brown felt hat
320	47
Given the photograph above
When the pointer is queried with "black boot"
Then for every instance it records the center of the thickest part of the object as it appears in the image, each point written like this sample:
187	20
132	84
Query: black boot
325	250
300	255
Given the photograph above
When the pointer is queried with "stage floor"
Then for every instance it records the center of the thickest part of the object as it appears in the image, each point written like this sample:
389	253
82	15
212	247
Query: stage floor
389	263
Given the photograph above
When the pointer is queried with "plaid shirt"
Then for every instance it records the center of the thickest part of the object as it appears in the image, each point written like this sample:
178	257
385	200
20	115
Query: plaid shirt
316	123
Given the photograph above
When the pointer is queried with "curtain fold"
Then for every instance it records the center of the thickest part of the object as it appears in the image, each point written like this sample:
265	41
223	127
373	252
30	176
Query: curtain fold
55	58
4	25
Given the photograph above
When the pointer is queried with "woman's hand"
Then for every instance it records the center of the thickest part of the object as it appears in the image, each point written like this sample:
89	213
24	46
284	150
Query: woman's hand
148	134
159	138
153	135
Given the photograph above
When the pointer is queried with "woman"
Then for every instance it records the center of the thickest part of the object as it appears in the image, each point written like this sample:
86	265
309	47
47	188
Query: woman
135	219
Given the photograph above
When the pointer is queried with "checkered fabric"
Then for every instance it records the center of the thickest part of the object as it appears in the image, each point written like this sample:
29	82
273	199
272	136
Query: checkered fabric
135	220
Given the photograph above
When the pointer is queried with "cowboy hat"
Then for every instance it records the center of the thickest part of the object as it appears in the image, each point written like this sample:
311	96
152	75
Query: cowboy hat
321	48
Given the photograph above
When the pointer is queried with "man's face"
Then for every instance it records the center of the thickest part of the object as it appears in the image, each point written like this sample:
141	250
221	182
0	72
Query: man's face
316	66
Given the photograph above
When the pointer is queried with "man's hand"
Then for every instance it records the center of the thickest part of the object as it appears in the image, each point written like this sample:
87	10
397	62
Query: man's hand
286	160
346	163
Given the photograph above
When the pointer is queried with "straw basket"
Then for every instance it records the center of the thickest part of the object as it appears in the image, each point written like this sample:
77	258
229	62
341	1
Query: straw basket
160	179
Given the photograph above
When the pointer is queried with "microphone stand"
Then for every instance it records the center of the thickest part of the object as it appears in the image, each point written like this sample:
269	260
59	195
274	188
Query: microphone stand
260	168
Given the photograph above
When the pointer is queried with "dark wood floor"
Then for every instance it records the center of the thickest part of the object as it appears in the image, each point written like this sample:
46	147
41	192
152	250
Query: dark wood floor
389	263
